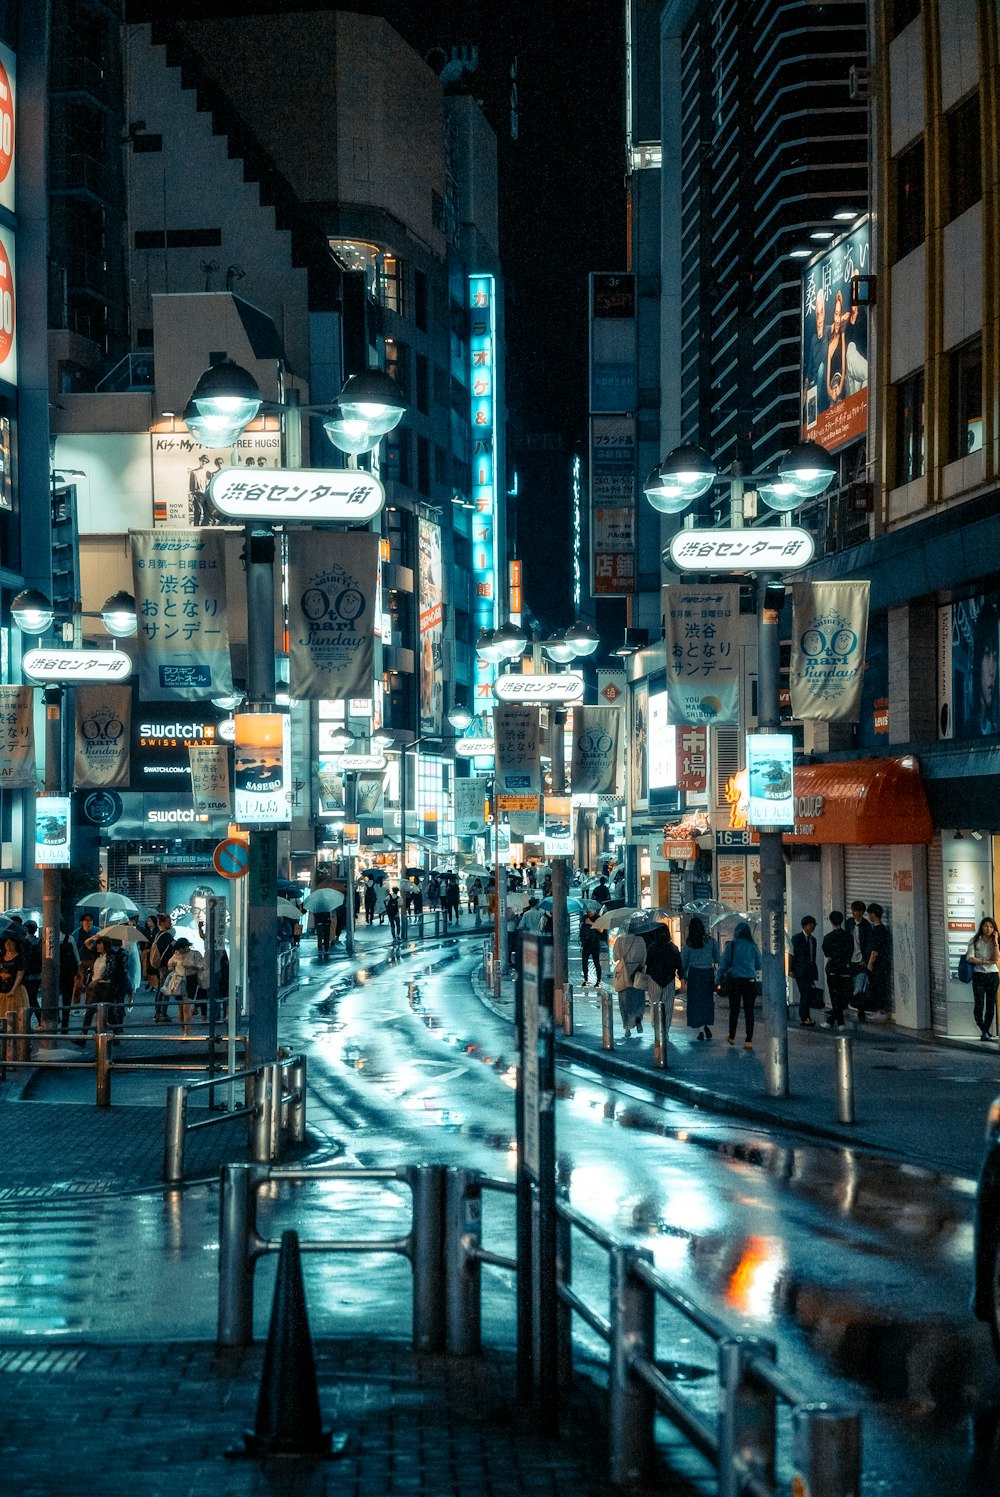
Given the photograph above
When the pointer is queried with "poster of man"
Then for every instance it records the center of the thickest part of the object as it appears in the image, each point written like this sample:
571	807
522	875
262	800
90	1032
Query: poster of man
183	467
975	651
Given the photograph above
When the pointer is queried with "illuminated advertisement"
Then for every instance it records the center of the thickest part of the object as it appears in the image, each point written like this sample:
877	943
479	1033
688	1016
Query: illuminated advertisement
769	775
8	308
835	345
662	744
183	468
52	831
262	781
612	506
8	126
558	832
431	628
483	403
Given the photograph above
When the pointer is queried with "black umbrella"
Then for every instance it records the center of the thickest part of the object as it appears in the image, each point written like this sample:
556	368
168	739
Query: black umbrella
289	889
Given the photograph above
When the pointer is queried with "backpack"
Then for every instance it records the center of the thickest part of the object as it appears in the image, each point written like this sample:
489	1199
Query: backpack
964	969
116	974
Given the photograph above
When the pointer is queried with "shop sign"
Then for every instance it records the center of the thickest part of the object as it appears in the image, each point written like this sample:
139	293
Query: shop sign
72	666
735	837
517	802
282	494
475	748
681	852
361	761
756	548
567	686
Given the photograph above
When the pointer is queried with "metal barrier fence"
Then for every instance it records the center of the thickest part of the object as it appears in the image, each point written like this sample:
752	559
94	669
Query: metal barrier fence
446	1254
274	1104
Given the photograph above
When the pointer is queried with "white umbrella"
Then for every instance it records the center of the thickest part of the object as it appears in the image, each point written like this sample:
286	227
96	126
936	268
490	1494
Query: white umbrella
102	900
288	910
518	901
323	900
617	919
127	934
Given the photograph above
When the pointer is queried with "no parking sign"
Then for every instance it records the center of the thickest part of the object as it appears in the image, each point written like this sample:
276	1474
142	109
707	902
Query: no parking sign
231	858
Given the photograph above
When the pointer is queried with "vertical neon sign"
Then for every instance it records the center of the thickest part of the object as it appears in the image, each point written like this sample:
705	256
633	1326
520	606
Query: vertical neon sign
482	391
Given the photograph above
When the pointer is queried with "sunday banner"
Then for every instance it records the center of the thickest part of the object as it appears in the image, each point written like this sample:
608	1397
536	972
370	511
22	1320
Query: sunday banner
829	632
332	582
597	750
102	737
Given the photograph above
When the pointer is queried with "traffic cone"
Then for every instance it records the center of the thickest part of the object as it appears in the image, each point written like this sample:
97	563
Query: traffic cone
288	1416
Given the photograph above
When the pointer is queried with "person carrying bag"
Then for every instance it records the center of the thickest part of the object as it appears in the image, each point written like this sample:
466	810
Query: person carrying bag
738	970
629	957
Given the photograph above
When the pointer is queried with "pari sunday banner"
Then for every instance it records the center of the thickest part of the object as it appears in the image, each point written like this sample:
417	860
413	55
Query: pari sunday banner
102	737
332	583
829	630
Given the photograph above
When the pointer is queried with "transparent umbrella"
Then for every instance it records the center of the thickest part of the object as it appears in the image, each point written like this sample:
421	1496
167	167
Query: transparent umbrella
618	919
707	910
646	920
102	900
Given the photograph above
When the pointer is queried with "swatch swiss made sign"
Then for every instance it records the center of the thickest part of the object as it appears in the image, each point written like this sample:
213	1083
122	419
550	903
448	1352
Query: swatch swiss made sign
282	494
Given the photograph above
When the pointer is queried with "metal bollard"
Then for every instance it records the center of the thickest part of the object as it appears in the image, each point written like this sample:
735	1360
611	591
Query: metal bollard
426	1246
567	1012
437	922
173	1139
747	1428
631	1402
260	1122
845	1078
607	1021
102	1057
297	1106
661	1034
826	1450
463	1238
237	1254
17	1024
276	1081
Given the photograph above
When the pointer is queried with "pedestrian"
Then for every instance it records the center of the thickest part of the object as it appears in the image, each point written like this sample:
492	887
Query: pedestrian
392	910
601	893
804	969
31	949
381	895
453	900
369	901
108	985
663	968
160	953
13	993
860	932
590	948
983	955
322	921
69	963
513	923
433	892
879	961
532	876
473	891
629	956
531	920
84	934
149	930
181	982
699	959
837	948
738	980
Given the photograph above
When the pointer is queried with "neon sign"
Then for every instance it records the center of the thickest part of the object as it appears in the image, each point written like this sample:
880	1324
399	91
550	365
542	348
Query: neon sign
483	403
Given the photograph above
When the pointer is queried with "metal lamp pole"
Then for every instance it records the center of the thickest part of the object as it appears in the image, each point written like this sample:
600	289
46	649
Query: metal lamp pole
262	879
772	863
51	877
560	913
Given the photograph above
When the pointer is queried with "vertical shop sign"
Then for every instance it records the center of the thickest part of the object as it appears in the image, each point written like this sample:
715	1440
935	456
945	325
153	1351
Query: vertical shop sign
483	403
518	751
179	581
103	716
431	628
692	760
829	633
332	579
700	626
469	807
17	738
612	506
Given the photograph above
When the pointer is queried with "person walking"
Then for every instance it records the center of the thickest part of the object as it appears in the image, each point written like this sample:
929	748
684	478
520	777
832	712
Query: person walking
879	962
738	971
531	920
381	895
160	953
369	901
699	959
453	900
804	969
860	932
590	948
13	993
629	957
663	968
983	956
392	910
322	923
183	968
31	948
69	963
837	948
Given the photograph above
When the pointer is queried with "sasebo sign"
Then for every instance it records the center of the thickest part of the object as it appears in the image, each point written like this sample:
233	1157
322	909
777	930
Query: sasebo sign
475	748
296	494
567	686
361	761
77	665
783	548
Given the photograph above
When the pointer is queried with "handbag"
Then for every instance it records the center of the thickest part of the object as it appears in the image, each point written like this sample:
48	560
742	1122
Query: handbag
724	986
817	998
964	969
861	984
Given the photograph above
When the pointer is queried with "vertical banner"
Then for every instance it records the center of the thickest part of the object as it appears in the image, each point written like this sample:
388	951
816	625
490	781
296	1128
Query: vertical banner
701	634
210	780
17	738
597	751
431	628
262	778
470	799
331	791
518	751
103	716
692	760
638	749
370	794
612	506
483	420
332	581
835	347
829	630
179	581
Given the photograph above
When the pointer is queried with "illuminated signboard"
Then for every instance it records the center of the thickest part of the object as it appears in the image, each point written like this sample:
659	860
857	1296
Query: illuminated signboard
8	126
8	308
483	403
52	831
262	778
162	733
835	347
769	775
301	494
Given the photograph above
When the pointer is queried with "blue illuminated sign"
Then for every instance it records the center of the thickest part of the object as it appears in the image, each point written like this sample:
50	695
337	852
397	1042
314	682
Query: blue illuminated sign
482	391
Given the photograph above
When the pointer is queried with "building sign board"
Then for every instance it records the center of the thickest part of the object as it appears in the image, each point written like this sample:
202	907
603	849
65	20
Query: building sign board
68	667
475	748
567	686
361	761
310	494
483	419
754	548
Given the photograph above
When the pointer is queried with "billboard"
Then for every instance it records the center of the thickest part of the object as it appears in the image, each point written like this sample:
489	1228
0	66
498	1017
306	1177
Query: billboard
612	506
483	417
52	831
835	345
769	775
662	744
431	627
262	774
968	667
8	127
183	467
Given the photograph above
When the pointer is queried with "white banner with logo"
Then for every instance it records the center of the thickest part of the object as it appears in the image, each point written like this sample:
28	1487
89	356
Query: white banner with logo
17	738
210	780
829	632
701	635
102	736
516	732
370	794
332	581
470	798
179	581
597	750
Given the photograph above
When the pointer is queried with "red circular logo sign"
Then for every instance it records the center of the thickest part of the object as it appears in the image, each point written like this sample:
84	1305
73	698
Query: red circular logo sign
6	306
6	124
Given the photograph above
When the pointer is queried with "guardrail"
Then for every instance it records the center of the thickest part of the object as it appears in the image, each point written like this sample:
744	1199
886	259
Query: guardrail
274	1103
445	1250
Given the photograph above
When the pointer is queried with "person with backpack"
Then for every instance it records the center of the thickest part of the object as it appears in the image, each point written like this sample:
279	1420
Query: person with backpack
392	910
838	949
108	984
160	952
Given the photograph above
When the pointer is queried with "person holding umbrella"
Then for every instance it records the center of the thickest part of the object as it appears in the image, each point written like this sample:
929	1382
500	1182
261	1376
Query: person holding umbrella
629	955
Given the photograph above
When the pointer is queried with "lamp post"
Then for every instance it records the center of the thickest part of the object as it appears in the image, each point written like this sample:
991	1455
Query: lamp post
802	473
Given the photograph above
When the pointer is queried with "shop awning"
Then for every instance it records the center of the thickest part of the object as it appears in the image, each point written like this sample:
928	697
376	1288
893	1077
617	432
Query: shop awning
861	803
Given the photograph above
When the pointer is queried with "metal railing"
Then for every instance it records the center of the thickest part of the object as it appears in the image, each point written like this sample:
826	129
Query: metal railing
274	1104
661	1026
445	1249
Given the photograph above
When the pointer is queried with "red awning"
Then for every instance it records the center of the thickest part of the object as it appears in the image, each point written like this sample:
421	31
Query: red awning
861	803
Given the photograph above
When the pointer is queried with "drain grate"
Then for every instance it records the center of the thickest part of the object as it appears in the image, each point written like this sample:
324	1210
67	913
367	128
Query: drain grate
56	1190
31	1360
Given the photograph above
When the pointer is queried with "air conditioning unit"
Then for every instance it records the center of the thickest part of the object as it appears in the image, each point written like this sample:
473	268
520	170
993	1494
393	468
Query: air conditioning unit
858	80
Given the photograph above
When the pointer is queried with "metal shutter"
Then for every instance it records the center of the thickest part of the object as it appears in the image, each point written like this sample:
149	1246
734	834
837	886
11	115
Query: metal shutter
938	937
868	876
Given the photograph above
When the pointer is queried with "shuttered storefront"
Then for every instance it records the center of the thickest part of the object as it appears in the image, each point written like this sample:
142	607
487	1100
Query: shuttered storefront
868	876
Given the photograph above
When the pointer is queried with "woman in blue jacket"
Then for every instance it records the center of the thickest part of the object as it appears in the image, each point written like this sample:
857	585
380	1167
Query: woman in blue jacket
741	960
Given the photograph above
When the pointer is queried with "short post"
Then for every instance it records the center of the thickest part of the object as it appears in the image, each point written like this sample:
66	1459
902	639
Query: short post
564	1315
102	1057
17	1025
297	1106
173	1140
607	1022
463	1238
237	1230
826	1450
747	1429
845	1078
567	1009
427	1256
276	1082
631	1402
661	1034
437	922
260	1126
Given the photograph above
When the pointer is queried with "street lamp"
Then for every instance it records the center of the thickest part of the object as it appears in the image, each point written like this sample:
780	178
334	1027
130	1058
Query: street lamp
802	473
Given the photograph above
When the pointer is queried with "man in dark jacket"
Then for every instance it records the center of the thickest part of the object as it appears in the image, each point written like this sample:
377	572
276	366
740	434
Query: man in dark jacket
837	948
803	967
860	932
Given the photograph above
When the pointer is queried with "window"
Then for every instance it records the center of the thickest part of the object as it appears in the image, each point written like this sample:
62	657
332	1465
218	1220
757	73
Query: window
965	176
965	399
397	363
910	199
423	466
421	394
398	457
910	428
390	284
420	300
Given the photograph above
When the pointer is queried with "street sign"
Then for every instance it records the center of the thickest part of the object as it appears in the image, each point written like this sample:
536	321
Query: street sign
231	858
281	494
775	548
475	748
361	761
566	686
76	666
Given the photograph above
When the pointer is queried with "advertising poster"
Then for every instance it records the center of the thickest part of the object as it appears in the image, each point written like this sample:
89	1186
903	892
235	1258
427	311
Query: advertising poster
701	631
8	127
370	792
261	773
519	770
557	839
183	467
331	790
332	580
769	775
52	831
101	740
8	307
524	824
638	750
835	345
470	799
597	750
968	655
662	744
17	738
431	628
210	780
612	505
829	632
179	582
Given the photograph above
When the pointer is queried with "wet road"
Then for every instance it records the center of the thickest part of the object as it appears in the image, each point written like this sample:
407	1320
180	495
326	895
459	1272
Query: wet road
860	1271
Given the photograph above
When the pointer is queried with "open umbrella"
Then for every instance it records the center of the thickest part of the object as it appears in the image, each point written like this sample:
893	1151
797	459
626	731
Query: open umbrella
102	900
646	921
617	919
25	914
725	925
707	910
288	910
127	934
517	901
323	899
574	906
288	888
